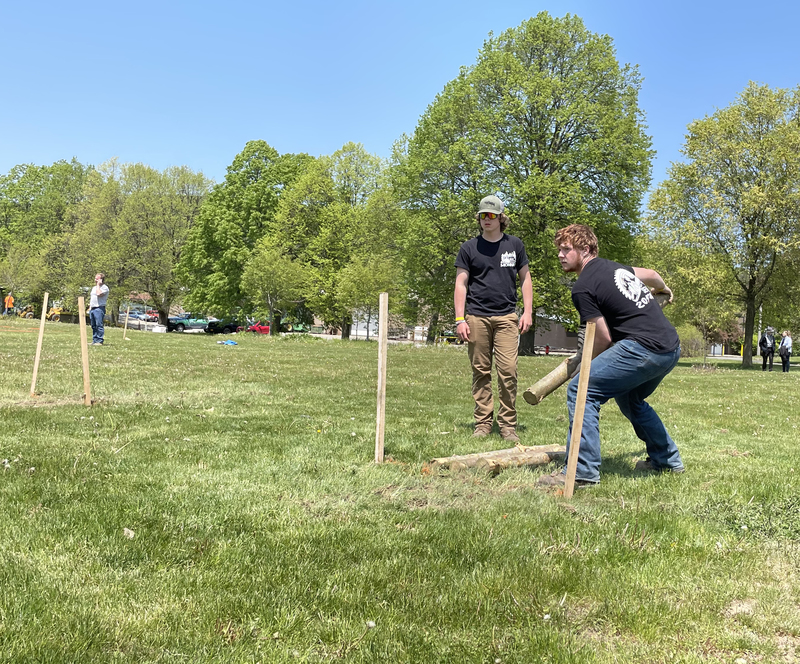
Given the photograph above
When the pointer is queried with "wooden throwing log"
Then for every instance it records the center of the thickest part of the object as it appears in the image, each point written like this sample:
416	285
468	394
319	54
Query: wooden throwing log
560	375
497	460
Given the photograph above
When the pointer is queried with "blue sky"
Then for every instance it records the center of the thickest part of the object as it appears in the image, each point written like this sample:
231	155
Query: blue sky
168	83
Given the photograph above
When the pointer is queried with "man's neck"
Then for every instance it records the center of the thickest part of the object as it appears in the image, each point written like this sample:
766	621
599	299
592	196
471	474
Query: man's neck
583	264
493	236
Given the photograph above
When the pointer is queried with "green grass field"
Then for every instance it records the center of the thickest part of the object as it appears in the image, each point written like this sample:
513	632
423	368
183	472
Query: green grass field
221	504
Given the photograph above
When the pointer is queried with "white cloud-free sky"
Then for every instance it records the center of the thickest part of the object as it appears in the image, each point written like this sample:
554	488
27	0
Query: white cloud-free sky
189	83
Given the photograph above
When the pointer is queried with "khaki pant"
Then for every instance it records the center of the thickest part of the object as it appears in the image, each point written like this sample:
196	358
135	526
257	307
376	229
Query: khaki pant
498	335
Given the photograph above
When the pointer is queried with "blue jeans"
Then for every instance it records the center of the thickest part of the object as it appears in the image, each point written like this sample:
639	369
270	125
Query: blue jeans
96	319
628	373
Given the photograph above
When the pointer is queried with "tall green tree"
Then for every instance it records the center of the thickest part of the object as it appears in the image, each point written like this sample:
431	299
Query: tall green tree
738	194
275	281
548	120
238	213
324	220
35	201
363	280
133	226
704	291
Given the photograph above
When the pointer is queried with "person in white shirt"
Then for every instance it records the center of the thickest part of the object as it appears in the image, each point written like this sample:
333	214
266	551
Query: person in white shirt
97	308
785	350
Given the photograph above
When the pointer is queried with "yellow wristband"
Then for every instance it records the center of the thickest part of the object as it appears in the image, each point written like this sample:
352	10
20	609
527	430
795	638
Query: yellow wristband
459	318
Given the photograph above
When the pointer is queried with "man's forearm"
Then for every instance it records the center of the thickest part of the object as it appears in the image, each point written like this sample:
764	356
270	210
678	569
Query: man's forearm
460	300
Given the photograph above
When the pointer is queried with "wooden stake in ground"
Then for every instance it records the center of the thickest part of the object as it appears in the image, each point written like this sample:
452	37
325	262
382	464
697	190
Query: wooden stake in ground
383	342
87	388
125	329
39	345
580	407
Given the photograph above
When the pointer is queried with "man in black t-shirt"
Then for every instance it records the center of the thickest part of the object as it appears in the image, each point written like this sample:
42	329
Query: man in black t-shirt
635	346
485	304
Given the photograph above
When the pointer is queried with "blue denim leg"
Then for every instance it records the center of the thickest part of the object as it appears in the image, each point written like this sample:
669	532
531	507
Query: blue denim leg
627	372
96	319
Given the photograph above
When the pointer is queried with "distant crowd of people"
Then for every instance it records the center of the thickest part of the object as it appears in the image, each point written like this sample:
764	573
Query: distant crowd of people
767	345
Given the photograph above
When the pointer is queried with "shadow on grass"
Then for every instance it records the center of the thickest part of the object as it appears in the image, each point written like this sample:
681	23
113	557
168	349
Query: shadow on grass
718	364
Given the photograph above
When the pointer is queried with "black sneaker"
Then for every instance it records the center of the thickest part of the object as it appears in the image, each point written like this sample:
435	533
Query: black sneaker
647	466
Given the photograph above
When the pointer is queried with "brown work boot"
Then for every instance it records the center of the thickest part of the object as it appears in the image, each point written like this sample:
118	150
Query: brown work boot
482	430
509	434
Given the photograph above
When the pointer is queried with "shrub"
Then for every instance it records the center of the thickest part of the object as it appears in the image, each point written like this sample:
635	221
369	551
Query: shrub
692	344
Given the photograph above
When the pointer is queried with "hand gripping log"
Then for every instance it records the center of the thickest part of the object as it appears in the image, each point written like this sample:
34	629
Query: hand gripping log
561	374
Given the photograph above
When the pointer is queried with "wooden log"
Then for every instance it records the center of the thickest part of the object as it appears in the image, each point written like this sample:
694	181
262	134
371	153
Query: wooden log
550	383
495	461
560	375
125	329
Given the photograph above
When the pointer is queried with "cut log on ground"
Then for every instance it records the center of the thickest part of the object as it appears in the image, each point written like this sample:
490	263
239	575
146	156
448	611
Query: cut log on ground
497	460
560	375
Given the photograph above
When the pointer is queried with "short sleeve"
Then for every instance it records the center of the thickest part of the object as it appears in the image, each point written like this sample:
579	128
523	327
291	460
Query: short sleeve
586	304
462	259
522	256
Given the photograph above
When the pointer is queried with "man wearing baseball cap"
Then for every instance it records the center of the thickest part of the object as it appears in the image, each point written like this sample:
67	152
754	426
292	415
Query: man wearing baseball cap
485	300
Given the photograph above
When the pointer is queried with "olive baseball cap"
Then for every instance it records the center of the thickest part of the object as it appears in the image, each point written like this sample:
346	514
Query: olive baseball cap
491	204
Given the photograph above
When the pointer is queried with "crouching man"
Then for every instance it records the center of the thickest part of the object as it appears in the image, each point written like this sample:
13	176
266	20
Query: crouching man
635	346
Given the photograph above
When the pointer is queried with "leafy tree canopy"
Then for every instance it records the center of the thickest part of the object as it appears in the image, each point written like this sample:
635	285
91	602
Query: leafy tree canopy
548	120
738	194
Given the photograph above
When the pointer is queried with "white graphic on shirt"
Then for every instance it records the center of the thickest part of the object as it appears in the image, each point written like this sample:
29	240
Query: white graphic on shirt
632	288
508	259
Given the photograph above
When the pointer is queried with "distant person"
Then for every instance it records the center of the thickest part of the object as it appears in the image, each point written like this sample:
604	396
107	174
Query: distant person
785	350
8	304
767	346
485	301
97	308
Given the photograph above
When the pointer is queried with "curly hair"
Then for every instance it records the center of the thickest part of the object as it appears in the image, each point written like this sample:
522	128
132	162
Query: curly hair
503	221
578	236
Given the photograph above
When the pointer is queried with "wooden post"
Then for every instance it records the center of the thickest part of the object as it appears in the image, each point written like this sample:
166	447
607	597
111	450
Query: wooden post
87	388
39	345
383	342
580	407
125	329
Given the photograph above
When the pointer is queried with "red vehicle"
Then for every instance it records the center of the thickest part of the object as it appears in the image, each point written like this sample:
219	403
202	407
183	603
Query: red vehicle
258	328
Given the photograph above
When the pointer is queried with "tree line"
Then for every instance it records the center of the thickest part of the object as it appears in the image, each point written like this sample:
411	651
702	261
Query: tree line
546	118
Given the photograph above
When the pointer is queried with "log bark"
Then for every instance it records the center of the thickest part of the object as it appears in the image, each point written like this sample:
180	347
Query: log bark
550	383
558	376
498	460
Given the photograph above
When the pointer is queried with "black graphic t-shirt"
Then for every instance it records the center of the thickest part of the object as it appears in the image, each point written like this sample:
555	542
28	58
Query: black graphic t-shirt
608	289
492	267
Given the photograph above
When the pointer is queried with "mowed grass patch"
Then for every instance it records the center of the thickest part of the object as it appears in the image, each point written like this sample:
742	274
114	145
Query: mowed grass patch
259	529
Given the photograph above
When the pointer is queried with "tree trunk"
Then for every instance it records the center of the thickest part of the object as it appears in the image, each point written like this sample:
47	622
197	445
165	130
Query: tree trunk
747	342
369	320
275	323
434	324
527	341
347	325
